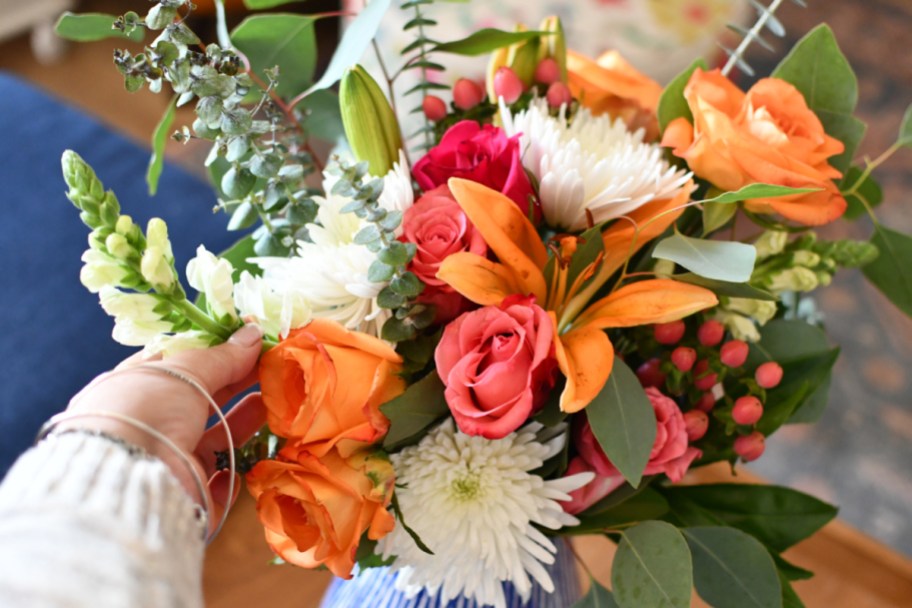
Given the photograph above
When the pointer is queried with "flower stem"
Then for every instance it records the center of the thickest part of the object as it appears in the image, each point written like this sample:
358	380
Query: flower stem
202	320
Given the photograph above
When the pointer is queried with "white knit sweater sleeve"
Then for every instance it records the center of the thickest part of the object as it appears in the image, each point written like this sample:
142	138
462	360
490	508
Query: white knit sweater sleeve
85	523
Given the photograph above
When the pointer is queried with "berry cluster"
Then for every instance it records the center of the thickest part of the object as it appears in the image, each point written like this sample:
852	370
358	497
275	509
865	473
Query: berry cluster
707	375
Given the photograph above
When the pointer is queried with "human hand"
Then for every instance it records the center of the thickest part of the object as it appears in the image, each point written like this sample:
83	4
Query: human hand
178	411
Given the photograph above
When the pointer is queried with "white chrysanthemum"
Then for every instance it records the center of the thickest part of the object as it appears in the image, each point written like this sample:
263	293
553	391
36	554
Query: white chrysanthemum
476	505
136	323
211	276
398	194
589	162
277	313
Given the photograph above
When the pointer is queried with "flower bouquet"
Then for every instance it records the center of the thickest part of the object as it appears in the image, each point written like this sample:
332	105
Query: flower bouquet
529	319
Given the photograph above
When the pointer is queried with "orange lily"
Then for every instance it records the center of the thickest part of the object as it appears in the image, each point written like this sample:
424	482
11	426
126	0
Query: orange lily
583	350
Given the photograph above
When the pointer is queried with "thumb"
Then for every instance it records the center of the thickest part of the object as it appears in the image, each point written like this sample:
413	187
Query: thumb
225	364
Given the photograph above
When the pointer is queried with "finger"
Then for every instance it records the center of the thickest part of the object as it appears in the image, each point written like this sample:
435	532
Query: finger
221	500
244	419
138	358
222	365
229	392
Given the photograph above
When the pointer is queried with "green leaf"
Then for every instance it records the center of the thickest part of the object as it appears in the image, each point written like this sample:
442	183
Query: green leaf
790	599
777	516
716	215
891	271
598	597
484	41
159	138
378	272
652	567
732	569
869	190
724	288
412	412
355	40
720	260
790	571
752	191
623	422
590	246
820	71
801	379
243	217
905	129
89	27
642	506
407	284
323	119
239	254
672	104
284	40
263	4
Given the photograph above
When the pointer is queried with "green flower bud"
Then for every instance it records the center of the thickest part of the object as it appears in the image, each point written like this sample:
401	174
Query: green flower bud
805	258
118	246
770	243
522	58
852	254
370	124
824	278
741	328
795	279
156	269
123	225
157	236
761	311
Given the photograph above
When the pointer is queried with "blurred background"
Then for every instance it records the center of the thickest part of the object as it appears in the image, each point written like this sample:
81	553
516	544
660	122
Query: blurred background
860	455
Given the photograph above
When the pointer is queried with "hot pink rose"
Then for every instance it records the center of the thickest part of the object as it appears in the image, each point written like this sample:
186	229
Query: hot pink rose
482	154
498	365
438	227
671	455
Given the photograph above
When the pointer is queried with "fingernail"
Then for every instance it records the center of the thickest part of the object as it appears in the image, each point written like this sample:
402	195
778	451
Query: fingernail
247	336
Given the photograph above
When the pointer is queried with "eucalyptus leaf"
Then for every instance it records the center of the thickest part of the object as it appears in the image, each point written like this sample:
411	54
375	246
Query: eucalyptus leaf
355	40
732	569
323	119
284	40
891	271
159	139
777	516
652	567
623	422
484	41
905	129
597	597
716	215
752	191
89	27
413	411
869	191
642	506
725	288
820	71
720	260
263	4
672	103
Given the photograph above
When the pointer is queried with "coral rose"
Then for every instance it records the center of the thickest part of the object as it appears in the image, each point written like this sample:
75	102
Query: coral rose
671	455
324	385
768	135
482	154
498	365
315	510
610	85
438	227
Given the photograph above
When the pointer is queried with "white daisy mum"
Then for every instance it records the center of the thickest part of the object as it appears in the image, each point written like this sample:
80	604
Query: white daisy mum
589	162
475	503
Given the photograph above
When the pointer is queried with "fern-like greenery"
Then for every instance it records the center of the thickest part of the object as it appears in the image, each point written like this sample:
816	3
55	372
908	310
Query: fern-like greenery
766	20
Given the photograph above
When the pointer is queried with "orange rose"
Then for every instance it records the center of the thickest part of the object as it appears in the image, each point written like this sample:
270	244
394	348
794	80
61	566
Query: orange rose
324	385
613	86
315	510
768	135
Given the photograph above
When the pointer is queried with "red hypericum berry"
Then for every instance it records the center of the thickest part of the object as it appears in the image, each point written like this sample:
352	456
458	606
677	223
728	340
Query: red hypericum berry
434	108
684	358
650	374
707	402
467	94
696	423
558	95
547	71
769	375
734	353
507	85
669	333
750	447
710	333
703	378
747	410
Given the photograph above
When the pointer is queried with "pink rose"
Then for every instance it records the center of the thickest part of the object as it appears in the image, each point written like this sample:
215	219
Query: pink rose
438	227
671	455
482	154
498	365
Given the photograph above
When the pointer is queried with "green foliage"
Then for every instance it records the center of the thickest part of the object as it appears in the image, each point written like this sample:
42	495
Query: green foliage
672	104
417	56
719	260
868	191
89	27
323	118
239	254
282	40
159	137
642	506
412	412
623	422
484	41
724	288
652	567
716	215
752	191
589	247
820	71
370	124
263	4
597	597
891	272
732	569
905	129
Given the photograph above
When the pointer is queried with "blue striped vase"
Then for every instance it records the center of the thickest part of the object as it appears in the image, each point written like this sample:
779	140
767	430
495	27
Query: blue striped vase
375	588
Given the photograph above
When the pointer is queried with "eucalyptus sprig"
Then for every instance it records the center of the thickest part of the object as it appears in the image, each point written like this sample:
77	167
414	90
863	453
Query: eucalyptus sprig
417	56
393	256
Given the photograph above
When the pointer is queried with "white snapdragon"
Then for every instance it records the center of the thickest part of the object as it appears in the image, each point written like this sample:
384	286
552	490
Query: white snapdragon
770	243
158	258
136	322
100	270
276	312
168	345
211	276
